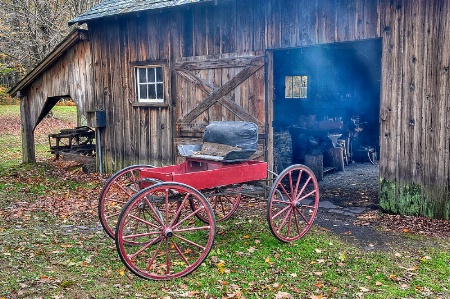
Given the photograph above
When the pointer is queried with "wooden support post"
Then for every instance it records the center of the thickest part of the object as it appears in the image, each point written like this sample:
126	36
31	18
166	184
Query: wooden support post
28	146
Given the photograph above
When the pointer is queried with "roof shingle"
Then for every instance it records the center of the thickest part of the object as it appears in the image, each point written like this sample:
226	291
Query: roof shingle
110	8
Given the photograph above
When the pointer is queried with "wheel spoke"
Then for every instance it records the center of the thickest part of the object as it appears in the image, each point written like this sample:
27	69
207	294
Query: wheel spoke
190	242
152	260
285	218
180	253
304	187
281	211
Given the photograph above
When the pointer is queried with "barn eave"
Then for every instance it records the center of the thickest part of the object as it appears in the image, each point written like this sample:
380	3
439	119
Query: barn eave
71	39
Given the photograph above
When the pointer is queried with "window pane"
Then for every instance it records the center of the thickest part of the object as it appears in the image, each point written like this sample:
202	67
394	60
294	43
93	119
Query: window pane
143	91
288	88
142	75
151	92
296	86
159	74
304	88
160	91
151	74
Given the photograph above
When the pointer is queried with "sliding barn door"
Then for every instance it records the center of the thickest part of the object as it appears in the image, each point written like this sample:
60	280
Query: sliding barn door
225	88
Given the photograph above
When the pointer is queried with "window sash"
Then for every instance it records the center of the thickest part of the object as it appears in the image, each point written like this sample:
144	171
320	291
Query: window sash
296	87
150	84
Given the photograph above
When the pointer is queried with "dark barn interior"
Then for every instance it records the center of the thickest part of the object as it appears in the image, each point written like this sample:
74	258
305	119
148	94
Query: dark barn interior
327	97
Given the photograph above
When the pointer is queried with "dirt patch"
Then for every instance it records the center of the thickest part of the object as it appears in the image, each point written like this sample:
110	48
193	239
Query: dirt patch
356	186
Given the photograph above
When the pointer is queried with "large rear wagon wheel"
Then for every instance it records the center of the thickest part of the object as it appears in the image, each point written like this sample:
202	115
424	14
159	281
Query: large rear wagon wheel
293	203
224	203
117	191
172	241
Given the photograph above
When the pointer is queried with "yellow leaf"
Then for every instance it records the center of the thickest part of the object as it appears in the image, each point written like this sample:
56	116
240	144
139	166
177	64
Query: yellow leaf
121	271
267	260
246	237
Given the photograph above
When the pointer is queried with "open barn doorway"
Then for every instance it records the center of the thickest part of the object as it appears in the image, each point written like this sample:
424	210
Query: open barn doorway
62	131
326	102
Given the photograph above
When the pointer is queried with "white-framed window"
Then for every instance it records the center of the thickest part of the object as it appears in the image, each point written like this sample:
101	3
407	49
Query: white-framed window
150	84
296	87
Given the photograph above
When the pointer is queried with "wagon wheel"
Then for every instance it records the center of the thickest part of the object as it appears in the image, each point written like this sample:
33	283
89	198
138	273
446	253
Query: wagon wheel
293	203
118	190
173	241
223	202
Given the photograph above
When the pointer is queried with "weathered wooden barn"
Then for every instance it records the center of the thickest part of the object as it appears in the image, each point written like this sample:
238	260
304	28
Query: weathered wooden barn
162	70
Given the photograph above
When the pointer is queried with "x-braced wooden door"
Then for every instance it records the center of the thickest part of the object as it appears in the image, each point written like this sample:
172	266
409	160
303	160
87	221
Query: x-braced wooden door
225	88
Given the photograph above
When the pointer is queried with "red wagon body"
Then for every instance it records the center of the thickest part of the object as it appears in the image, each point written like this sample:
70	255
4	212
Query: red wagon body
204	174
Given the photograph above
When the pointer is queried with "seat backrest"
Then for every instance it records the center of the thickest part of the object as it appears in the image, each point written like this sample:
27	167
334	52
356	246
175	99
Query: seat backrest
241	134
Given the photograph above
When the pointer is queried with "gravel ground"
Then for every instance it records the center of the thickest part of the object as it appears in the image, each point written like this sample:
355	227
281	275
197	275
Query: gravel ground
357	186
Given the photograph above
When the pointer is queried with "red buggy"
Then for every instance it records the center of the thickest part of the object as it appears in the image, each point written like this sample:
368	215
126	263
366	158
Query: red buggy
163	219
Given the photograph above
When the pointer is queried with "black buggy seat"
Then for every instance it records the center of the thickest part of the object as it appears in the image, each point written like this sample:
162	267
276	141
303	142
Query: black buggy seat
226	141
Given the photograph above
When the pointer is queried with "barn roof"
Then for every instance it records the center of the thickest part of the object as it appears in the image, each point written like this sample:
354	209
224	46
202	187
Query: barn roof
110	8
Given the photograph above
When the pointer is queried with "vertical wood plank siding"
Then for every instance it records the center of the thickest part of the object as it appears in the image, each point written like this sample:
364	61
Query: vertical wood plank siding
414	158
145	134
415	105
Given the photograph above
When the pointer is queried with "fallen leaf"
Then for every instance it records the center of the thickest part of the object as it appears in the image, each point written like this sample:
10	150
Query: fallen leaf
283	295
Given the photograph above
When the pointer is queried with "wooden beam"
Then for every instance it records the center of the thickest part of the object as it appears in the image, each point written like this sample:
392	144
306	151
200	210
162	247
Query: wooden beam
226	101
217	94
220	63
28	145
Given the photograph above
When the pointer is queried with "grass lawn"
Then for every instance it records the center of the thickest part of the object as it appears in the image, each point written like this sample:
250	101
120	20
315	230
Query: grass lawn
51	245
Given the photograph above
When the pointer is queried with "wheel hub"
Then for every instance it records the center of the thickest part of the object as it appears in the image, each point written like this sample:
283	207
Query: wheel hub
168	233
